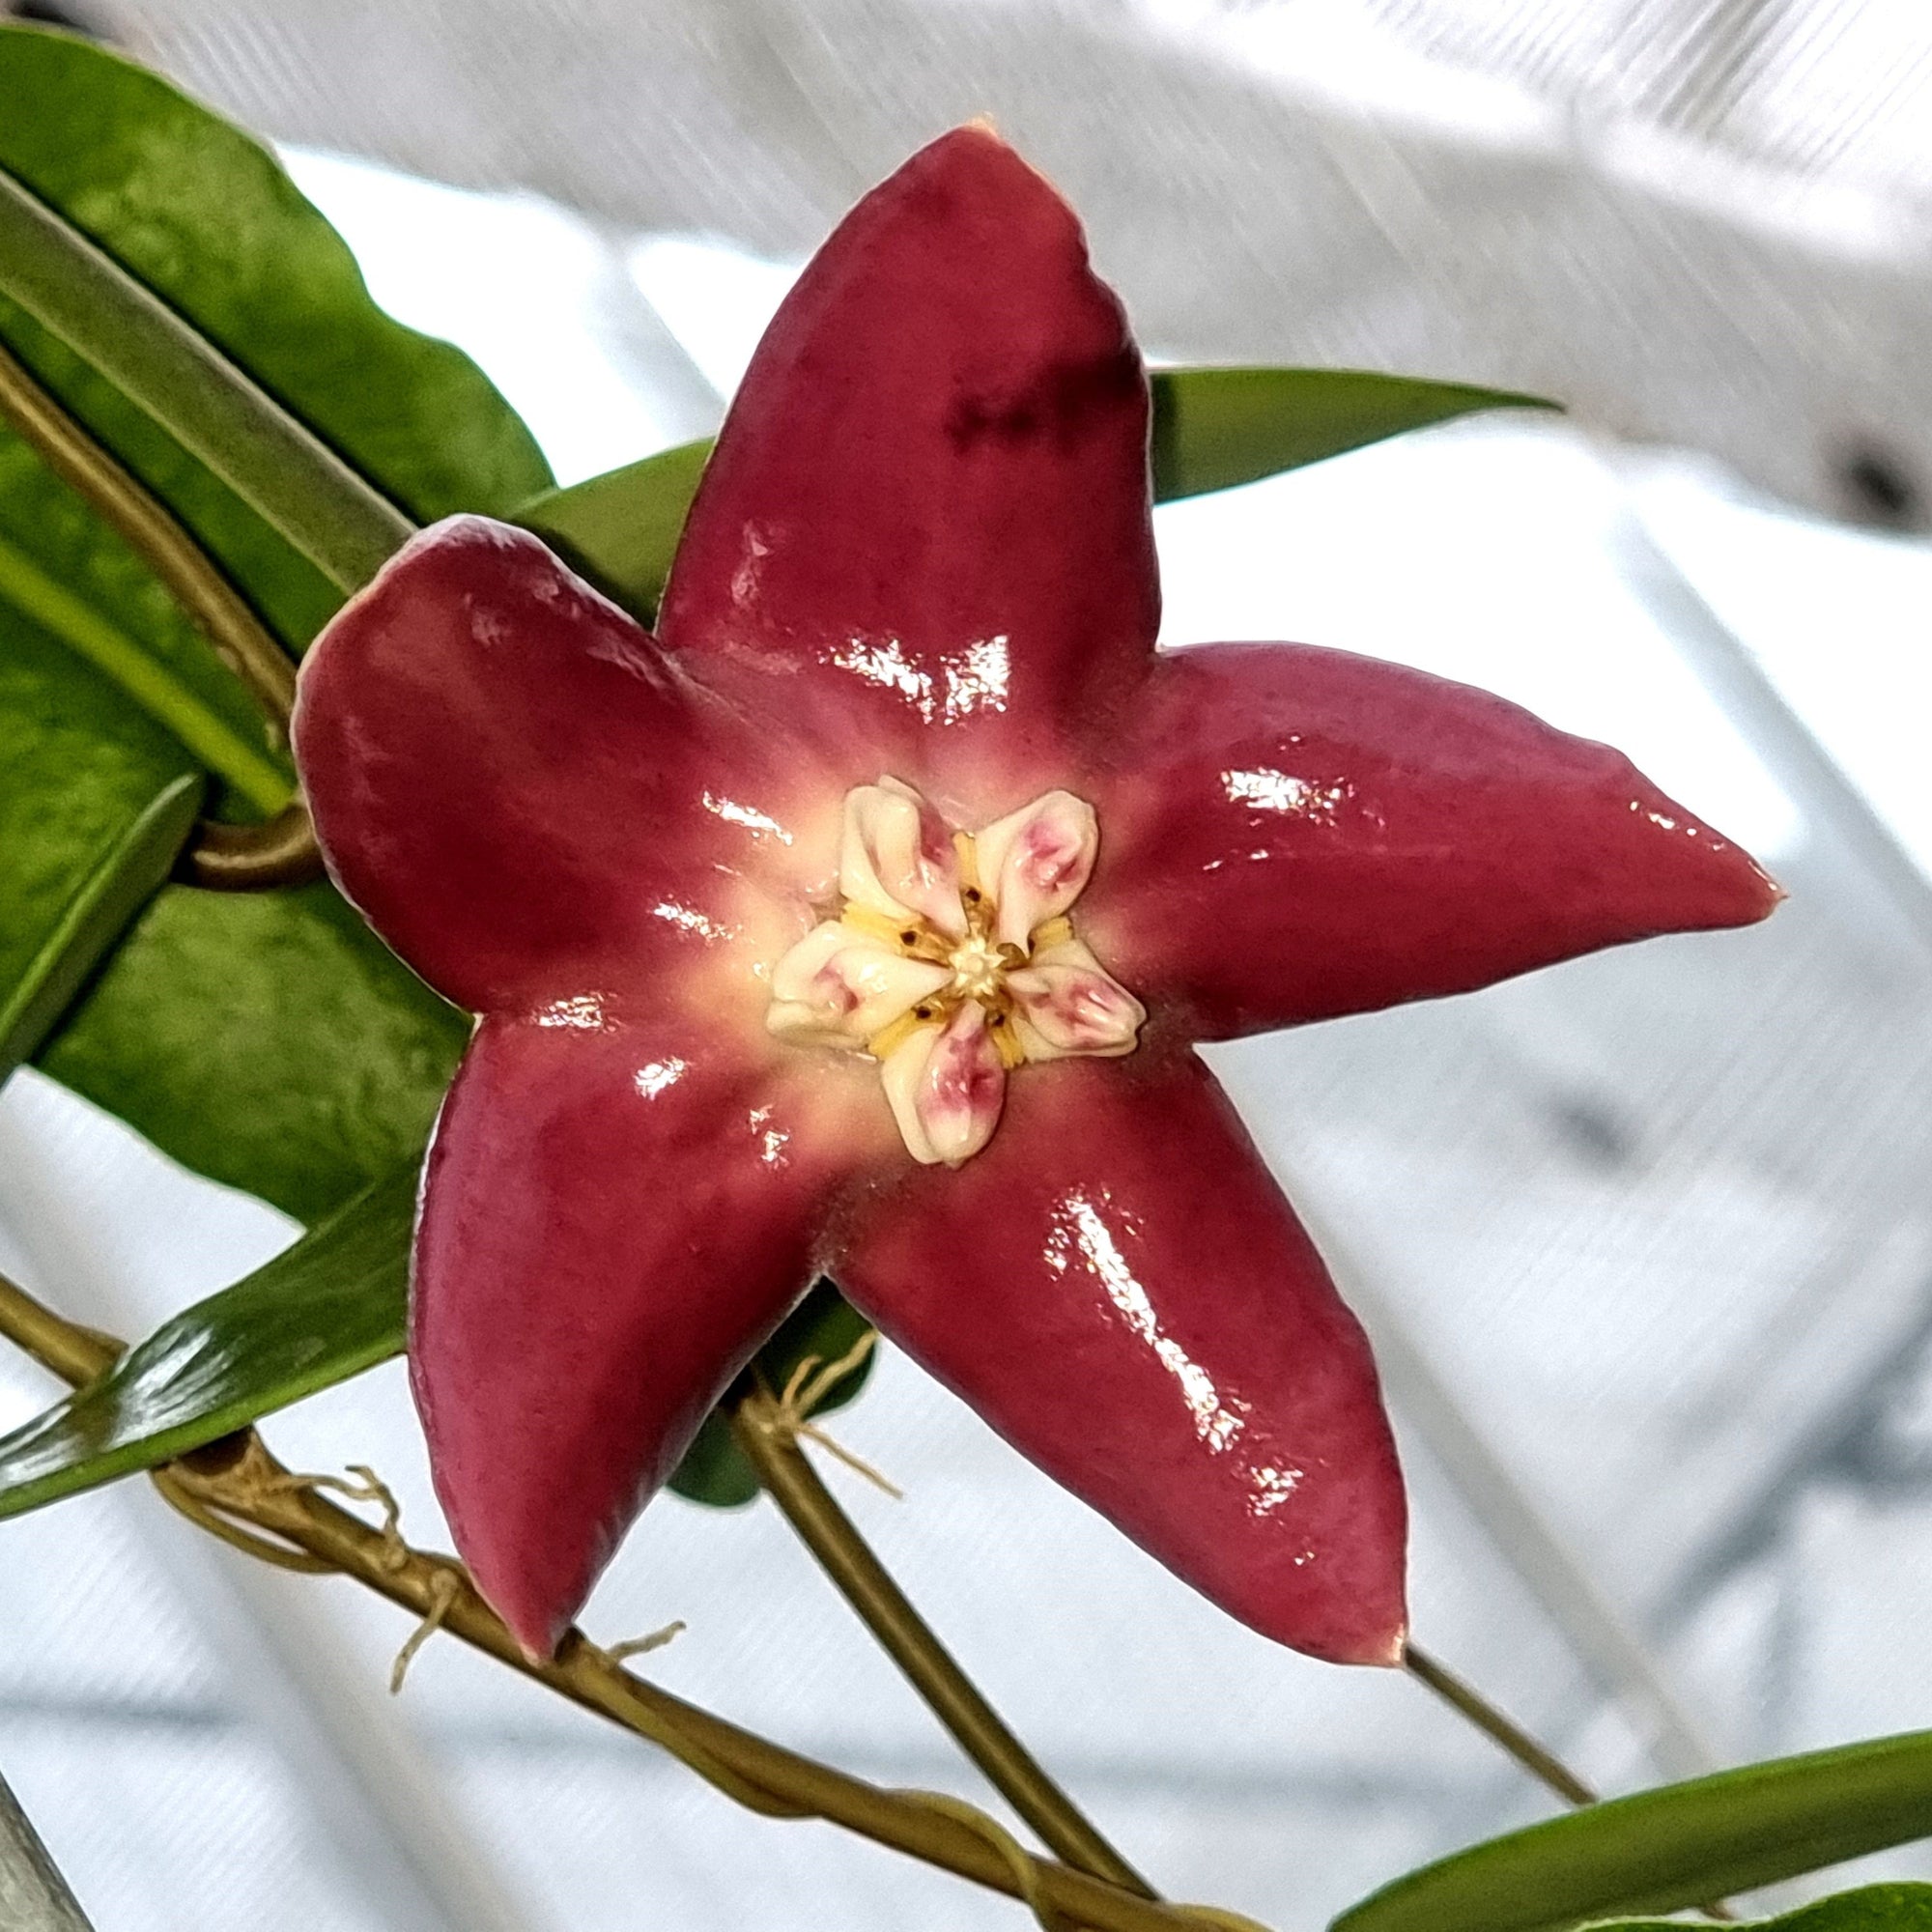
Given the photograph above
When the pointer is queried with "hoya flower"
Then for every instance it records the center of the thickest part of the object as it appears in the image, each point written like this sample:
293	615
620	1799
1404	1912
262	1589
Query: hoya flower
865	920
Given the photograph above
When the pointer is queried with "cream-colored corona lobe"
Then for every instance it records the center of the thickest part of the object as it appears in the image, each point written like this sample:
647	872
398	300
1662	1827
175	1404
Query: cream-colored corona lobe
952	961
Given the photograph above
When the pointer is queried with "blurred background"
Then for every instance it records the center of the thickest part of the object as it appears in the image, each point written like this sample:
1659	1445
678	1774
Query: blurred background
1645	1241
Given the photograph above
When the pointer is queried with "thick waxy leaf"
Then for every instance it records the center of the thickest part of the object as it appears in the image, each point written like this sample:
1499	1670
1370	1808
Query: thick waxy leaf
1678	1846
273	1042
620	530
1872	1908
88	924
323	1310
1213	429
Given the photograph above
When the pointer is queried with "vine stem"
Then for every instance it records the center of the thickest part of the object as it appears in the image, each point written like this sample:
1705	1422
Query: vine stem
224	857
238	1491
848	1560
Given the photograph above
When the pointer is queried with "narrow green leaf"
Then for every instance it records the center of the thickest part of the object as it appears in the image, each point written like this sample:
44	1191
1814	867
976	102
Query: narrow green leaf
621	528
1872	1908
1677	1846
91	922
296	483
1215	428
324	1309
825	1326
165	698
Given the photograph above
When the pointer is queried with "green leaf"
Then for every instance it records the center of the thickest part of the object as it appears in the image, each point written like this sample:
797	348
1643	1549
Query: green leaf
1872	1908
331	1306
1215	428
88	926
322	1311
620	530
205	216
269	1040
1677	1846
825	1326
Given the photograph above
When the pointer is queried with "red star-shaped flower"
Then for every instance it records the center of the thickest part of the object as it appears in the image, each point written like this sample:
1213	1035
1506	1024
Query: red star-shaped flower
865	918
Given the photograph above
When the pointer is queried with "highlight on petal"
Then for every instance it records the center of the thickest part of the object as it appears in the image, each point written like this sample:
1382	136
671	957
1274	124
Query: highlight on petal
1295	834
1065	1002
499	764
929	501
840	988
1117	1287
1037	861
945	1084
897	857
615	1213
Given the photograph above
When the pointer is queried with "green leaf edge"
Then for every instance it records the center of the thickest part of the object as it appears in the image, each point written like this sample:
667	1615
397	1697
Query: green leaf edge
1749	1827
361	1233
132	869
1901	1905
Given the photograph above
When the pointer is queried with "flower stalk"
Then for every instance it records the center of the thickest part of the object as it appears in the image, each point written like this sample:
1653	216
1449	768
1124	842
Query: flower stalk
277	1515
846	1557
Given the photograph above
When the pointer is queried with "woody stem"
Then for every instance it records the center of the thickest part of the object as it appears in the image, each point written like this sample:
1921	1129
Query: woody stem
849	1561
235	1481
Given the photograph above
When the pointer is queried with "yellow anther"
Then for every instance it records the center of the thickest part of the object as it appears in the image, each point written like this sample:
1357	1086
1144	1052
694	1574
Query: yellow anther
1051	933
876	925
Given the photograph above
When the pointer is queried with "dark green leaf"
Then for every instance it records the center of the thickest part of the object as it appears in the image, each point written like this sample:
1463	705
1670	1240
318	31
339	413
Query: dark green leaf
107	897
322	1311
205	215
825	1326
1214	428
1873	1908
1677	1846
272	1041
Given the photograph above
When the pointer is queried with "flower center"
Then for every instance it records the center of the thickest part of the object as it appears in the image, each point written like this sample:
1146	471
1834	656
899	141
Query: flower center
952	960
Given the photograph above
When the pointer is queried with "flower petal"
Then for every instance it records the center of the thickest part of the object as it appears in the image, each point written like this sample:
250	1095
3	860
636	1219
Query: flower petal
1067	1002
897	857
930	498
1289	833
500	765
614	1215
837	987
946	1085
1117	1285
1037	861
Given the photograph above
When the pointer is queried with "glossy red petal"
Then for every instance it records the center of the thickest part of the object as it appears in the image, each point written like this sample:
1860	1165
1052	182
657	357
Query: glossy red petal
1289	833
927	514
614	1215
500	766
1117	1285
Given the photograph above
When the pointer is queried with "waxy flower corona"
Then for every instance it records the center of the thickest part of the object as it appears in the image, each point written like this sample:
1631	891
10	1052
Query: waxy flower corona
953	960
865	918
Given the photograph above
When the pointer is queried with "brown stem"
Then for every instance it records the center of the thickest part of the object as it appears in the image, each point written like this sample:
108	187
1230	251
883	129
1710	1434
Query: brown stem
844	1555
1465	1699
227	857
238	1480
